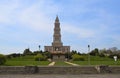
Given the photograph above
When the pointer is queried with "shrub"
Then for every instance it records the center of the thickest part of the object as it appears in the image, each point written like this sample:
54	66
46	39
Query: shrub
101	55
27	52
48	54
112	55
77	57
40	57
95	52
2	59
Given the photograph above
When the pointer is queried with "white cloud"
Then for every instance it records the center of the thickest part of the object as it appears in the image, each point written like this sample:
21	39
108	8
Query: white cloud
80	32
7	12
37	18
34	16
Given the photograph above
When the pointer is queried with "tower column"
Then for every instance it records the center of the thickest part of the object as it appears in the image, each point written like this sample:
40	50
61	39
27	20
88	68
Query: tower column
57	35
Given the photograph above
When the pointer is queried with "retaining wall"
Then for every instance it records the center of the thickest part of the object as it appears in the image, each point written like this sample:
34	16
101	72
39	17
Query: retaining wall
59	70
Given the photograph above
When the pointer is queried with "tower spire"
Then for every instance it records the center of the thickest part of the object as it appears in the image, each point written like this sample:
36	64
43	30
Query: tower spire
57	19
57	34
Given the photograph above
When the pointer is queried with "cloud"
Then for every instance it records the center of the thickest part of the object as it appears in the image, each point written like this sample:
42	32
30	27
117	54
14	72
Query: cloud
25	26
31	22
7	11
34	16
80	32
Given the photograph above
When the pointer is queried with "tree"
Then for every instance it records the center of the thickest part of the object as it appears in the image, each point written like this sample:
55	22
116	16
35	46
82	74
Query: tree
40	57
14	55
27	52
113	49
95	52
73	52
37	52
47	54
68	55
77	57
2	59
101	55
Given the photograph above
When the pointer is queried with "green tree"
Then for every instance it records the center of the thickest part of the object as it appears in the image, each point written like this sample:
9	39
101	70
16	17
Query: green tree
40	57
73	52
95	52
47	54
77	57
27	52
36	52
2	59
68	55
101	55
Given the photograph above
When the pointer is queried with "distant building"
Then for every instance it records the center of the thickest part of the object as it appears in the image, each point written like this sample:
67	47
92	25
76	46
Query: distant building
57	49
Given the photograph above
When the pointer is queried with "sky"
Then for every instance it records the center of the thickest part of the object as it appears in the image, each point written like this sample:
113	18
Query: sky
29	23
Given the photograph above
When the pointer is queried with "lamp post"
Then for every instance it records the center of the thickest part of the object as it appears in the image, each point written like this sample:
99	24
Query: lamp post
67	56
39	47
88	54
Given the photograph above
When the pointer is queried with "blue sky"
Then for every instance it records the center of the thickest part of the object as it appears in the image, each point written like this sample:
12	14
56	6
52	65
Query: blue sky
29	23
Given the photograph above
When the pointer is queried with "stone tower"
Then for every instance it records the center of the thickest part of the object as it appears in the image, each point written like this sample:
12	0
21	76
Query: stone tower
57	44
57	49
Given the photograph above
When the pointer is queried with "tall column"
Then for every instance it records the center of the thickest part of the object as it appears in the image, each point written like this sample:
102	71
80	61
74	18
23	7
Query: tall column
57	34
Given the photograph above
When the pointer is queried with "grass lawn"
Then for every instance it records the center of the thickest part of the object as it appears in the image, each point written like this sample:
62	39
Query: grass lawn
24	63
22	58
25	60
97	62
29	60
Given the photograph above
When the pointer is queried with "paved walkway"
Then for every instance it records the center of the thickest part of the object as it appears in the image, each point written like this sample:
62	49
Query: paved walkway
62	76
52	64
72	63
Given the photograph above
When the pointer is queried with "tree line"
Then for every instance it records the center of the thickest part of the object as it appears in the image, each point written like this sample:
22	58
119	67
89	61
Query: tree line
74	55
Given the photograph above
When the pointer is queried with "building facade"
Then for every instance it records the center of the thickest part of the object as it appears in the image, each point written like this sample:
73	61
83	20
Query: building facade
57	46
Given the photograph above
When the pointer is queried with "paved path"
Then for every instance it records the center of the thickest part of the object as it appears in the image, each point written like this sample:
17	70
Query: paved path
62	76
52	64
72	63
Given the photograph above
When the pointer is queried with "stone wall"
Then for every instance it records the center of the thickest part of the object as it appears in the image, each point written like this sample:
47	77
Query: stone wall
12	70
115	69
67	70
59	70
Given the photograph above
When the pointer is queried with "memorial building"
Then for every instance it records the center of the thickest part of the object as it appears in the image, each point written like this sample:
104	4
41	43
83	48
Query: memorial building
57	49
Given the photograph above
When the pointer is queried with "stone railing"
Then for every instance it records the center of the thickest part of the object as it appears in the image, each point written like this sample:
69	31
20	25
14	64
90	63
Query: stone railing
59	70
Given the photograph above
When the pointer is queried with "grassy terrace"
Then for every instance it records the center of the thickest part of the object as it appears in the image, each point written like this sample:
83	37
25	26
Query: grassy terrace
25	60
97	62
24	63
29	60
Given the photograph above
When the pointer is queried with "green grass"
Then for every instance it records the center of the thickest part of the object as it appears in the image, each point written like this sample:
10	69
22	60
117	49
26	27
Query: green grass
26	63
97	62
97	58
25	60
29	60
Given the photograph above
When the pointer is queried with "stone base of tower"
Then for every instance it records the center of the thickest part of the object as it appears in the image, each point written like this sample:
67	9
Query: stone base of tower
58	57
